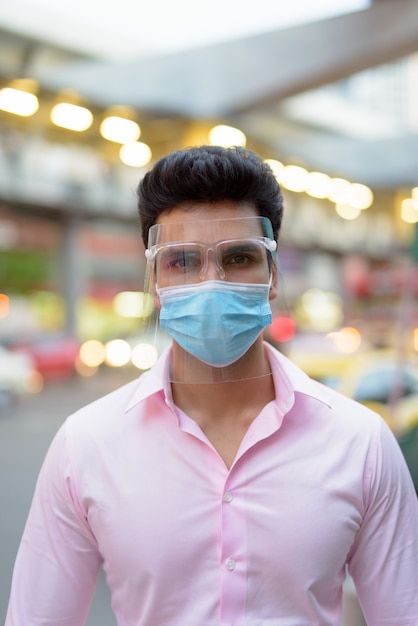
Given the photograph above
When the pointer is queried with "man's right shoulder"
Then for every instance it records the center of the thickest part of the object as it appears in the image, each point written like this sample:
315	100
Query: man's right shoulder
106	409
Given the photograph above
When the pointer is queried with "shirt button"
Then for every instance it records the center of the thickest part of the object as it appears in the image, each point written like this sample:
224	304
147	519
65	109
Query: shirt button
228	497
230	564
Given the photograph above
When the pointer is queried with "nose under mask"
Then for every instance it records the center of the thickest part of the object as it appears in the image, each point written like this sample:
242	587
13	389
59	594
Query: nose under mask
215	321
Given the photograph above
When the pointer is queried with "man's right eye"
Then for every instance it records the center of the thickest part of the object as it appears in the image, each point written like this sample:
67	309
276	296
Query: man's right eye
183	260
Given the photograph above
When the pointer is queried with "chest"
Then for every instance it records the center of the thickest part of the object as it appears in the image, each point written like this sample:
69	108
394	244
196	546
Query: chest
174	504
226	440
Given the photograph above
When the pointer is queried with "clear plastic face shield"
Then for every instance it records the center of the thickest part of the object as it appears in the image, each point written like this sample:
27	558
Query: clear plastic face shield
211	282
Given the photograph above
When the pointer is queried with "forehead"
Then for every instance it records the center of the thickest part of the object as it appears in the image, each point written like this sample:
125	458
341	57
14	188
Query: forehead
209	222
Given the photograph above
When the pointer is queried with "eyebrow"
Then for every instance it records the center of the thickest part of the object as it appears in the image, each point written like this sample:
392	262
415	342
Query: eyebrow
241	247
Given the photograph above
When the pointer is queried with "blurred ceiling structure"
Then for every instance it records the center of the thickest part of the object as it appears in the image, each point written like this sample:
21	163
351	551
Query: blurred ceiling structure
285	77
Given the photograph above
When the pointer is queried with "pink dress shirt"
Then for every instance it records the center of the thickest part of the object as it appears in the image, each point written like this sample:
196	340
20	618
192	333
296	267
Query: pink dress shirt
318	486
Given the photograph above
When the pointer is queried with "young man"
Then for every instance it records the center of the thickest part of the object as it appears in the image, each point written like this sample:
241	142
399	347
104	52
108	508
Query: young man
224	487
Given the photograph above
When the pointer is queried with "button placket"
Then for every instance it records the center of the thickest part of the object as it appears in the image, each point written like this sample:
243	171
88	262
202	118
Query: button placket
233	565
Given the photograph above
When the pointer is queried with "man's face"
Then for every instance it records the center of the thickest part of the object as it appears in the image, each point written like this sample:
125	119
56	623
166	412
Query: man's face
221	241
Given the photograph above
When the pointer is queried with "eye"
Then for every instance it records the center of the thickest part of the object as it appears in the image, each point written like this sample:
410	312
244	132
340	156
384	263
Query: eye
238	259
247	254
182	259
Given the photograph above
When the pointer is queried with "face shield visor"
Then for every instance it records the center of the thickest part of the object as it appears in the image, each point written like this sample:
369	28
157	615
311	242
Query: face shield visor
211	283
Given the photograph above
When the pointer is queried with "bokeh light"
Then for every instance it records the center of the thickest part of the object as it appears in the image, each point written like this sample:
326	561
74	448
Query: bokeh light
84	370
71	116
118	353
319	310
18	102
409	211
347	339
135	154
133	304
35	383
144	356
282	328
339	190
226	136
4	305
92	353
276	167
294	178
360	196
347	211
318	184
119	129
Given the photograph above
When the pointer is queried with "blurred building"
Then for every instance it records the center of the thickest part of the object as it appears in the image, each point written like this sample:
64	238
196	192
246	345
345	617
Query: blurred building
332	102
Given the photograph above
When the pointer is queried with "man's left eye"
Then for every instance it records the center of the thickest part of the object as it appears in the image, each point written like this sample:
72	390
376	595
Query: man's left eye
239	259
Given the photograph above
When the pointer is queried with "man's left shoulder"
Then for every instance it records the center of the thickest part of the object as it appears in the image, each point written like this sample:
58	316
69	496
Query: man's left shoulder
337	407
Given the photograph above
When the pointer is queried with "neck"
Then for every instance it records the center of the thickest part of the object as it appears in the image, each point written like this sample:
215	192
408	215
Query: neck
188	370
199	387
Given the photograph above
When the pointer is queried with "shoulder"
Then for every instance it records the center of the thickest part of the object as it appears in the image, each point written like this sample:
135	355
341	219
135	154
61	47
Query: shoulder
104	418
109	410
109	405
320	405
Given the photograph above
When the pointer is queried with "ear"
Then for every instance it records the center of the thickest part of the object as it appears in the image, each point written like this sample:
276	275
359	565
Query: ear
274	287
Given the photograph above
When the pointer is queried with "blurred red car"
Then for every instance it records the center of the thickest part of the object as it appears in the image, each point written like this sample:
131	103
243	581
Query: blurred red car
54	356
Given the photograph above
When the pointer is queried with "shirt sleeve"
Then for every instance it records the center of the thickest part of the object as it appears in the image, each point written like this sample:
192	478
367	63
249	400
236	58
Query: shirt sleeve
58	560
384	558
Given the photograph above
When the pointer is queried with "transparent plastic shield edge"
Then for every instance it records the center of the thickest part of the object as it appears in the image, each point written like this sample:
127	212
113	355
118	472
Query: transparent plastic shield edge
211	283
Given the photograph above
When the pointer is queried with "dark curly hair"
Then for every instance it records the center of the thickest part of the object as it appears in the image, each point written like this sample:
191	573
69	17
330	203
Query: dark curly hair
207	174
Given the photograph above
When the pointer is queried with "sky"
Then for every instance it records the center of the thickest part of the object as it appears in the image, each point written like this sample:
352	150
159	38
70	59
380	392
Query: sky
133	29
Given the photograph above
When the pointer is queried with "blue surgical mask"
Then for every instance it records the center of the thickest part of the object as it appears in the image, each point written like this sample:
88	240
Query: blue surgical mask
215	321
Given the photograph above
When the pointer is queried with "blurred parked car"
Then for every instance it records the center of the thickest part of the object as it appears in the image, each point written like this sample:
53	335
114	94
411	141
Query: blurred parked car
386	383
54	355
18	376
320	357
389	385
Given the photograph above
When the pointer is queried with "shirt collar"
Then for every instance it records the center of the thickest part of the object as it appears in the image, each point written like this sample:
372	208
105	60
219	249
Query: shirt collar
286	374
153	381
296	380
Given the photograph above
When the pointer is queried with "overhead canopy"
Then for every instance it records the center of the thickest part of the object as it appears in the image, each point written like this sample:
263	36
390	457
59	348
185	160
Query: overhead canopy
244	74
248	81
